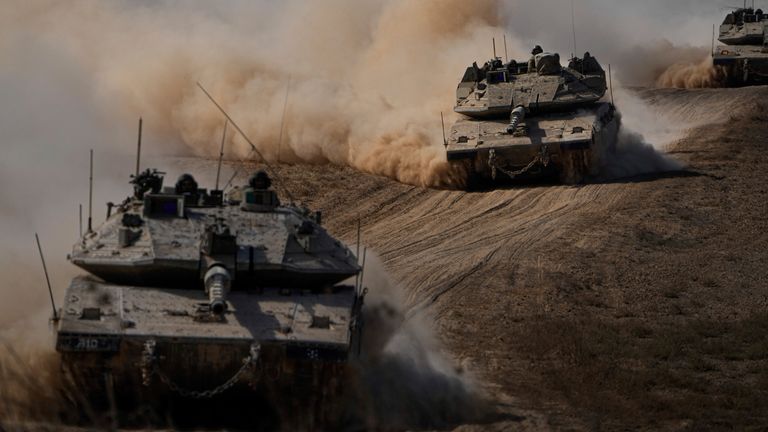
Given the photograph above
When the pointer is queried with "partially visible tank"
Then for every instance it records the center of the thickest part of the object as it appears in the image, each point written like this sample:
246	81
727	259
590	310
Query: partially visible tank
531	119
192	293
744	57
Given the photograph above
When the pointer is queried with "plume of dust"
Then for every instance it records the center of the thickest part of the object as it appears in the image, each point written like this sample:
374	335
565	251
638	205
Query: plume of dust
644	136
693	75
368	81
407	381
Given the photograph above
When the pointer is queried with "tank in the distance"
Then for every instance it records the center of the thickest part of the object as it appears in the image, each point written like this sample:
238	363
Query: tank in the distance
195	293
744	57
532	119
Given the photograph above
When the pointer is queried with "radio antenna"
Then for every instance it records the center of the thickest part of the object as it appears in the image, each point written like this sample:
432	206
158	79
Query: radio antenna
506	55
138	151
90	196
282	120
80	218
47	279
442	120
610	82
573	25
494	48
221	154
362	270
357	253
248	140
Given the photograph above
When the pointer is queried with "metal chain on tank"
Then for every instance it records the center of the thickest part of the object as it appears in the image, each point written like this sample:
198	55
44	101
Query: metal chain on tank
542	157
148	359
149	367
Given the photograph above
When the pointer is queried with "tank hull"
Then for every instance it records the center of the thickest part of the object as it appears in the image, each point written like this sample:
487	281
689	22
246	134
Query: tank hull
743	65
264	397
569	145
130	347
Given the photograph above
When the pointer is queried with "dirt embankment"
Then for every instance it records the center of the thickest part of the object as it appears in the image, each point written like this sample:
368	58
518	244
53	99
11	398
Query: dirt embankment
639	303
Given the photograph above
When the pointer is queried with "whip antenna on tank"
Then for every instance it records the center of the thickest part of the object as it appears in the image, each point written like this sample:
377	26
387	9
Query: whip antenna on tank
442	120
80	218
357	252
610	83
254	149
573	24
138	150
494	48
506	54
362	270
221	154
90	196
47	279
282	120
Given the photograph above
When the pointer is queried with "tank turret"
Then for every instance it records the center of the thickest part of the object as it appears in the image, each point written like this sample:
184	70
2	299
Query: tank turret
539	85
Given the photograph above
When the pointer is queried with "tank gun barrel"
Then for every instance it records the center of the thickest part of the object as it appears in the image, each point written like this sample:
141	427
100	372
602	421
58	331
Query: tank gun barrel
217	282
517	116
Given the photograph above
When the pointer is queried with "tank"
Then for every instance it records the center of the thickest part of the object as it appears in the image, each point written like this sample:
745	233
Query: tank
527	120
744	57
195	293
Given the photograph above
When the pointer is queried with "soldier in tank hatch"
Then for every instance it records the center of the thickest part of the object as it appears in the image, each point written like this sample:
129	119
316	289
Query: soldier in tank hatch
186	185
532	62
259	195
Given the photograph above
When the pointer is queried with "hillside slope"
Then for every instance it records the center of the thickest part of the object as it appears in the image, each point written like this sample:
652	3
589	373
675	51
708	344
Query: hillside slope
641	302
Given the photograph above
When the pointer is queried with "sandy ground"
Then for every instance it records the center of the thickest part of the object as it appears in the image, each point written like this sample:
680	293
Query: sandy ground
640	303
636	304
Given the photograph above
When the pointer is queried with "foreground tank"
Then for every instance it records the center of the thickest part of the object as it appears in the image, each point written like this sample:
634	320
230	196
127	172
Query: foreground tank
744	57
531	120
192	293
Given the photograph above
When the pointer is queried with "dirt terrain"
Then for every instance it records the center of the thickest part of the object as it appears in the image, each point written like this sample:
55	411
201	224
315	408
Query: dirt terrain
633	304
637	303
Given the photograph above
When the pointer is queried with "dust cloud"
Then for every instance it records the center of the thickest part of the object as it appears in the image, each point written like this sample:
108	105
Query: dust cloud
641	40
407	381
646	134
367	79
693	75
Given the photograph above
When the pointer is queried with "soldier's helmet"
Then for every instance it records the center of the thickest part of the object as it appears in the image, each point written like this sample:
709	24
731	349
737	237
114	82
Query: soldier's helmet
537	50
186	184
260	181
